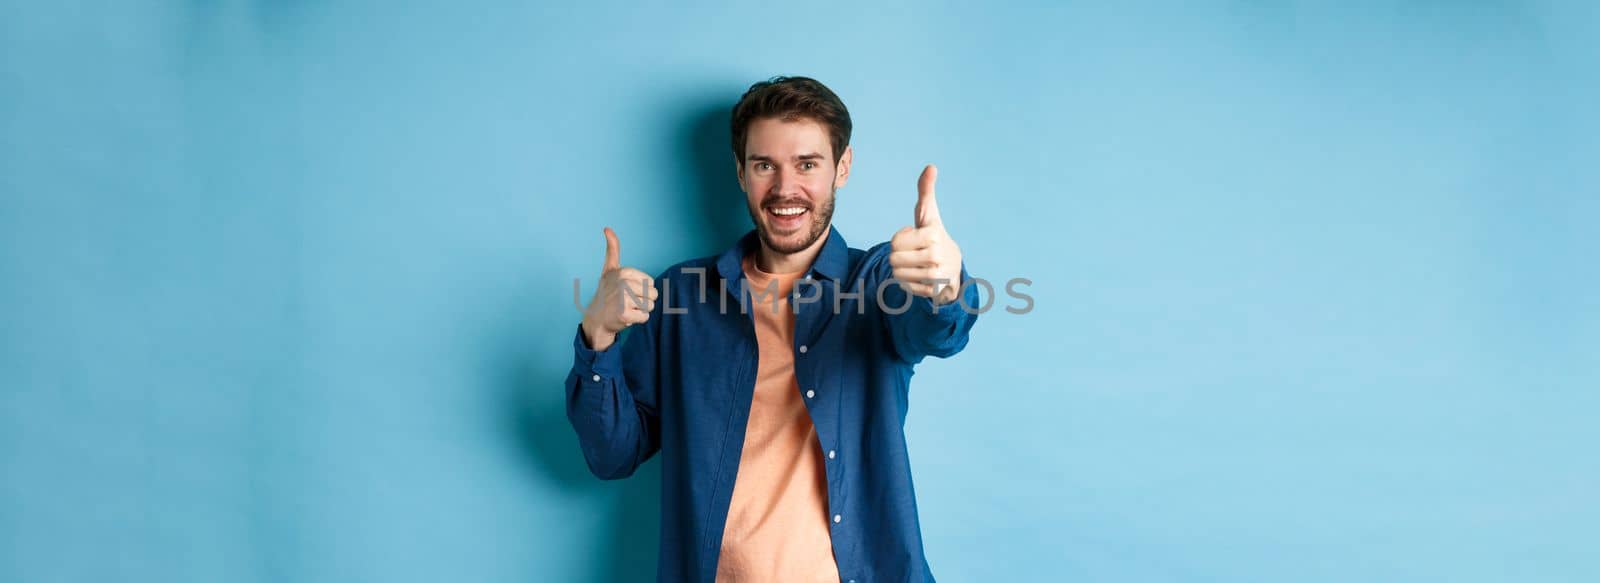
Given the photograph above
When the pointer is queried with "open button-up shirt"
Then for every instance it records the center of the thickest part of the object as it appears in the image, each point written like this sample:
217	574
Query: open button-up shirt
681	384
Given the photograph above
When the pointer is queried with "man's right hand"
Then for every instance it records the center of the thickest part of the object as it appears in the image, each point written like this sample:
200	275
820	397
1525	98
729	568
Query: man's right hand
625	297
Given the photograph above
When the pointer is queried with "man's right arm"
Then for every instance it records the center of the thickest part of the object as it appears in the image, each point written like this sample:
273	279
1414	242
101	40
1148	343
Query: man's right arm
612	390
612	403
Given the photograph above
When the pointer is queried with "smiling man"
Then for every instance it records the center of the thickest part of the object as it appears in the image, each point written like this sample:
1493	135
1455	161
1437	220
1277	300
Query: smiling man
773	378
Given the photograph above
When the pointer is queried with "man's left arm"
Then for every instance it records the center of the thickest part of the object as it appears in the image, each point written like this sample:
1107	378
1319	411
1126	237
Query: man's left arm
927	265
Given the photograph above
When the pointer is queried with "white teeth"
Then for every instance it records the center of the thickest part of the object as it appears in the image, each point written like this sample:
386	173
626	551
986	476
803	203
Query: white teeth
788	211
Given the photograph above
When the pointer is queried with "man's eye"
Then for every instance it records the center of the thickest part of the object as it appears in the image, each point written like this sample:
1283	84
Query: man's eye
807	165
763	166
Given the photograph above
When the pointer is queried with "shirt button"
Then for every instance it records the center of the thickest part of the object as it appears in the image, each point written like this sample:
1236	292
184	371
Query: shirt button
802	349
810	393
830	454
597	378
837	518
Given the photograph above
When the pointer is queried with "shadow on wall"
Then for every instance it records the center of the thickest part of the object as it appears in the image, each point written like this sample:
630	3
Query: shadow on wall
722	214
713	219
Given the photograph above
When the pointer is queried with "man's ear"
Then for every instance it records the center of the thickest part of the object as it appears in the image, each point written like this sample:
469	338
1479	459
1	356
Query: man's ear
843	173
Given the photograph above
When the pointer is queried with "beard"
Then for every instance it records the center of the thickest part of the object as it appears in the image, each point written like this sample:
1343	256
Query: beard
820	219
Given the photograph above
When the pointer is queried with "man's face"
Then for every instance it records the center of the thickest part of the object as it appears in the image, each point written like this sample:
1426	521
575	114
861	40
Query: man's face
789	177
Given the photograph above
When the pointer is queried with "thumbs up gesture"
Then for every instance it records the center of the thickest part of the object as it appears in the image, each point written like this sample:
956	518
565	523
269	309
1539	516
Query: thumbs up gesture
625	297
924	253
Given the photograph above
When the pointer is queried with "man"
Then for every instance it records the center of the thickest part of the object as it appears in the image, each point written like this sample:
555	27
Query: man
773	379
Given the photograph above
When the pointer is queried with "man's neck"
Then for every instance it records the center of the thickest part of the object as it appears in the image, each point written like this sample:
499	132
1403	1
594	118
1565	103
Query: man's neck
772	261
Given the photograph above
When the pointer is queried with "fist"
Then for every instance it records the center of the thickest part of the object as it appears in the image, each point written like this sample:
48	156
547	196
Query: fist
924	253
625	297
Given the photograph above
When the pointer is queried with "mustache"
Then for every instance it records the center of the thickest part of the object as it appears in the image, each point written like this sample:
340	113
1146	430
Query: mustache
773	201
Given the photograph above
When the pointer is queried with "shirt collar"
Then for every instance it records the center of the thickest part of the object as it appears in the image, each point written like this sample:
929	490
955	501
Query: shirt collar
830	262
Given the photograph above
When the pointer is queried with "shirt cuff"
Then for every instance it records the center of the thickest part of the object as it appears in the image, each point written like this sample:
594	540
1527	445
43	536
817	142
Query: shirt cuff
588	362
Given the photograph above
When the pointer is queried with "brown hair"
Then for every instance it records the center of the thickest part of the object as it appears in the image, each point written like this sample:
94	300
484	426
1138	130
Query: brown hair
789	99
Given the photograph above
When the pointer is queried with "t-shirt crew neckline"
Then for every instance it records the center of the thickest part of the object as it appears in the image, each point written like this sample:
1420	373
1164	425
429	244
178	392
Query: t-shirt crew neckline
752	271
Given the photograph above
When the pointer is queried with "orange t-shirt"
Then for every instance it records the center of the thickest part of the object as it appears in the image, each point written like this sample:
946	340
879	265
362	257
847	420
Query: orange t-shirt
777	527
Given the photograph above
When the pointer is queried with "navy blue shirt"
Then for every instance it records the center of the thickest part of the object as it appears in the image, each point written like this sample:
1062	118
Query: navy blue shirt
681	384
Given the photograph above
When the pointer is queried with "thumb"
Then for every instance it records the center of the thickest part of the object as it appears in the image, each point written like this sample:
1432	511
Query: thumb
613	251
927	206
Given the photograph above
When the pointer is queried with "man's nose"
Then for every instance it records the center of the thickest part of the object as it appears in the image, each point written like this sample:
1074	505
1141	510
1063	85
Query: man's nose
787	183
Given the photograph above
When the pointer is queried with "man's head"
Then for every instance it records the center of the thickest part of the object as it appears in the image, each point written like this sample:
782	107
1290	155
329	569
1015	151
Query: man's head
791	144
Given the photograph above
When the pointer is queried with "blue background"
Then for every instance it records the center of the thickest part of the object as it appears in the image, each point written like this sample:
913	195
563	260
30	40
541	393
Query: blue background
286	287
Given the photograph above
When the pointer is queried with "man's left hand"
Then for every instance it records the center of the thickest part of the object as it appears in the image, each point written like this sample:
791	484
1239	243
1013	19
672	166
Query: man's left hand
926	261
